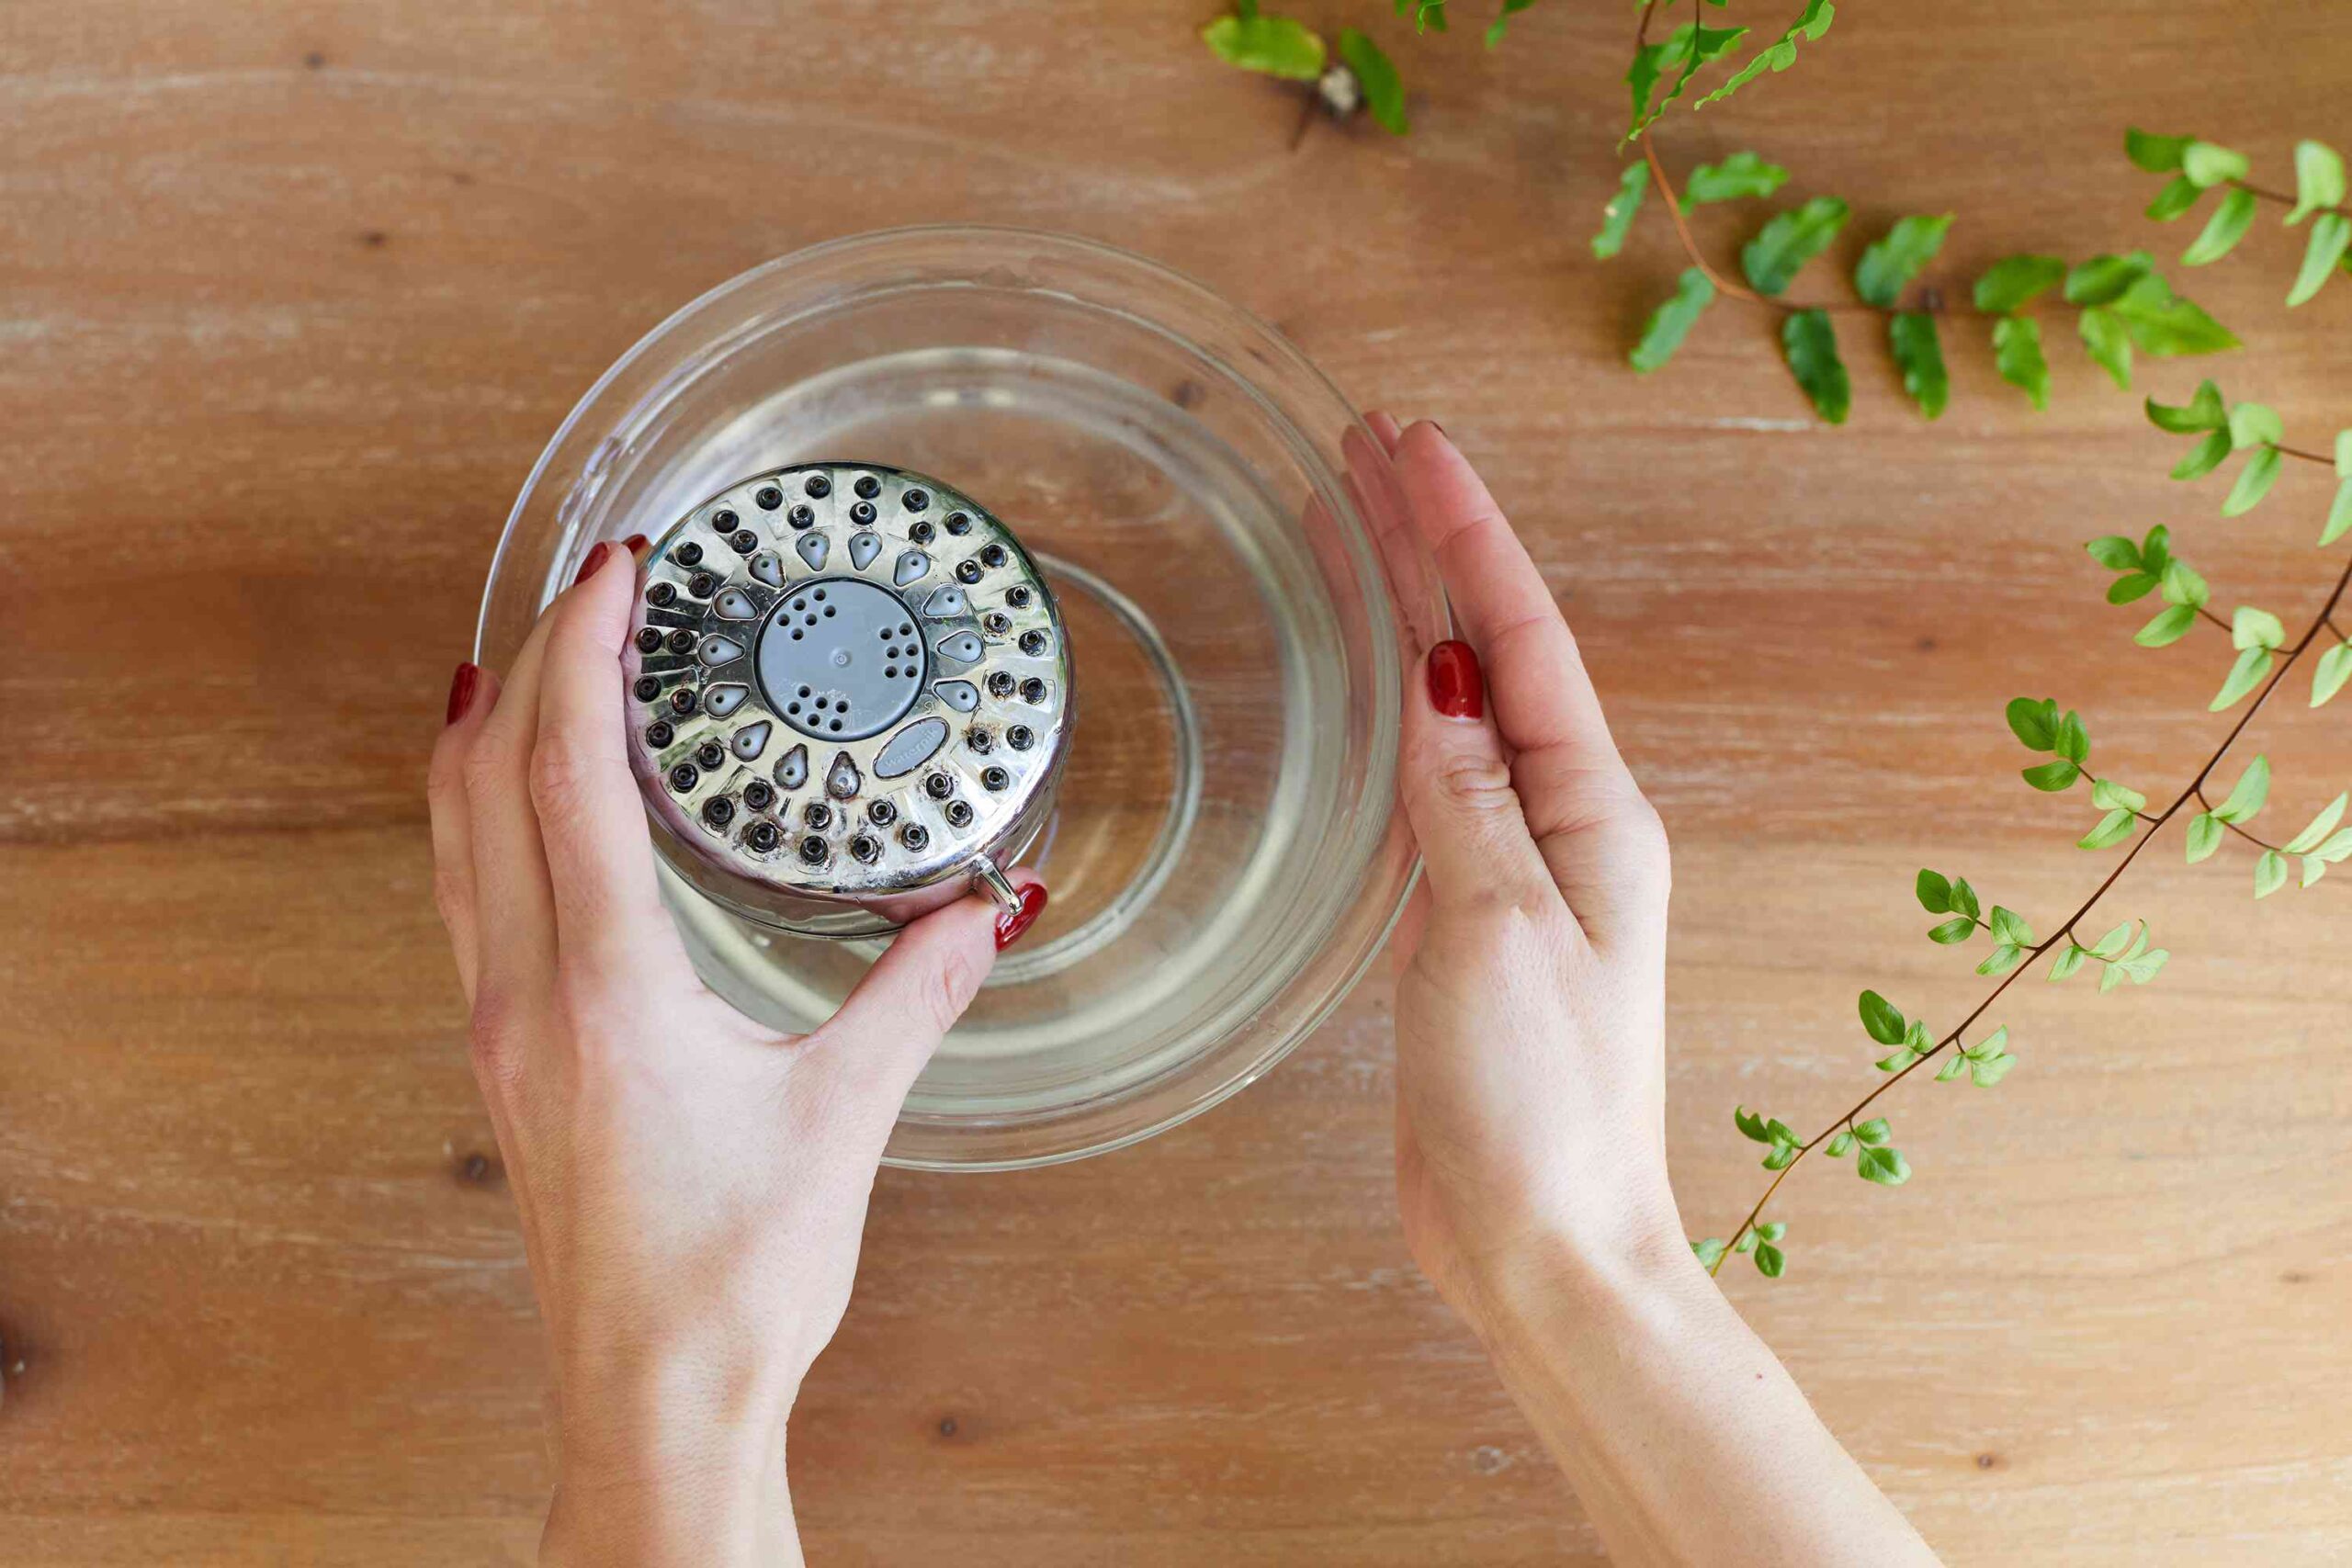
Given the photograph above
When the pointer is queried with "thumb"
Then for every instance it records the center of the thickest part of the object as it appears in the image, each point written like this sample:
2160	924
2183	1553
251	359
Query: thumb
917	990
1457	792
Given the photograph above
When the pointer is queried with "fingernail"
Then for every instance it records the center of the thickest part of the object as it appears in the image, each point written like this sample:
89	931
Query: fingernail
596	558
461	691
634	544
1439	429
1012	923
1455	689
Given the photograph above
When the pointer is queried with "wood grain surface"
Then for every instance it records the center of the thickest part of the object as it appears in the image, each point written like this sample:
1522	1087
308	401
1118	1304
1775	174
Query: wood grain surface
291	295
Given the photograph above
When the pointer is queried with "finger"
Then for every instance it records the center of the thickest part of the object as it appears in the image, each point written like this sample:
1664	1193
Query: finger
1458	796
473	692
592	818
886	1027
1372	480
1383	425
513	904
1586	816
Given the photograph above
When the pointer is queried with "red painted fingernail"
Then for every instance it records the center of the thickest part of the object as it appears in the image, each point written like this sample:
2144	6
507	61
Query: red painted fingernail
1439	429
596	558
634	544
461	691
1010	923
1455	689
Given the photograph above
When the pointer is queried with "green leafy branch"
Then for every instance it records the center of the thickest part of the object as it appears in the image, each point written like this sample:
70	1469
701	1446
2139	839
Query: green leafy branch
2124	305
2198	166
2124	953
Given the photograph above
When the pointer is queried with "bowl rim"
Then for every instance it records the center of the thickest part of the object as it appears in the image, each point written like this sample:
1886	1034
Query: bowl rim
1294	360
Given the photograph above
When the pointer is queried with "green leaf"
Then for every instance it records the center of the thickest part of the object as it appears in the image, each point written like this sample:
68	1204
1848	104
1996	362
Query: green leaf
2204	836
1671	322
2180	194
1920	355
2070	959
2113	829
2338	847
1885	1167
2223	230
2319	180
1779	1131
2009	928
1782	1156
1811	343
2205	411
2017	354
2108	343
2335	668
2014	281
1953	1067
2170	626
2254	424
1881	1019
2072	742
2269	874
1839	1142
2208	165
2164	324
2102	280
2115	552
1748	1240
2112	944
1709	1251
1781	53
1617	218
2339	516
1964	898
1989	1046
2141	967
1900	1059
1501	23
2052	777
1383	92
2157	154
1739	176
2250	627
1889	264
1642	77
2248	794
2319	827
1750	1124
2183	586
1933	890
2244	677
2035	723
1872	1131
1428	15
2204	457
1769	1261
1771	1230
2002	959
1779	250
1990	1070
2330	234
2254	482
1955	929
2109	796
1277	46
2312	870
2129	586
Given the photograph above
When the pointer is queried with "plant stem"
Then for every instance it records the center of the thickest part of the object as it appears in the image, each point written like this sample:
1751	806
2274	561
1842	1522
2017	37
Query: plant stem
2249	838
2195	791
2306	457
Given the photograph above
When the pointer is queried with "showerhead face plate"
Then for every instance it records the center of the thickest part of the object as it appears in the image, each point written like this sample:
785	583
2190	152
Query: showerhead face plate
849	696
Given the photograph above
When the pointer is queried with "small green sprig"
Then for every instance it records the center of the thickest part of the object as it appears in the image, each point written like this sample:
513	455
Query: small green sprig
2222	428
2196	166
1362	77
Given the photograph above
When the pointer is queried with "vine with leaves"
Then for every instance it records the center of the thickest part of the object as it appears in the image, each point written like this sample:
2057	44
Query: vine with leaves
2125	307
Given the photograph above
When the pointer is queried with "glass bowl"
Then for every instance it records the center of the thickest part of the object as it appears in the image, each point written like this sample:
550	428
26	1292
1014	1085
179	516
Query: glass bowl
1228	542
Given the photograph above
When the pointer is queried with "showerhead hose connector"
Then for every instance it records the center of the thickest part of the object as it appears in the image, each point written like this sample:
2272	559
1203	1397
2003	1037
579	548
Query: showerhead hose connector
848	698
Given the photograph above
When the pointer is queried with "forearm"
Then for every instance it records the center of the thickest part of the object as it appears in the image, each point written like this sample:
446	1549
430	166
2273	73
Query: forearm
1684	1436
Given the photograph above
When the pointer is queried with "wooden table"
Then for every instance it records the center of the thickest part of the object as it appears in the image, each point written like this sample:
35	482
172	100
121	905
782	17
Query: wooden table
293	293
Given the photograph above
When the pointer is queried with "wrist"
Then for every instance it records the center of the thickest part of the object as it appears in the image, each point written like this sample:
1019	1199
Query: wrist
675	1464
1565	1273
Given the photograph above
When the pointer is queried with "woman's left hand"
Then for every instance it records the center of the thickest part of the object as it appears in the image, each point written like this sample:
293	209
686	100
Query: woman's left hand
691	1187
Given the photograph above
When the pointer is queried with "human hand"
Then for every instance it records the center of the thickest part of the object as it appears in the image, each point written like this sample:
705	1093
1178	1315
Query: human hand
1530	1008
691	1187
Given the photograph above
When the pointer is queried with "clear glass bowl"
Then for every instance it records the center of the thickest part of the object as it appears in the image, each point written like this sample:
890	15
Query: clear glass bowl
1226	539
